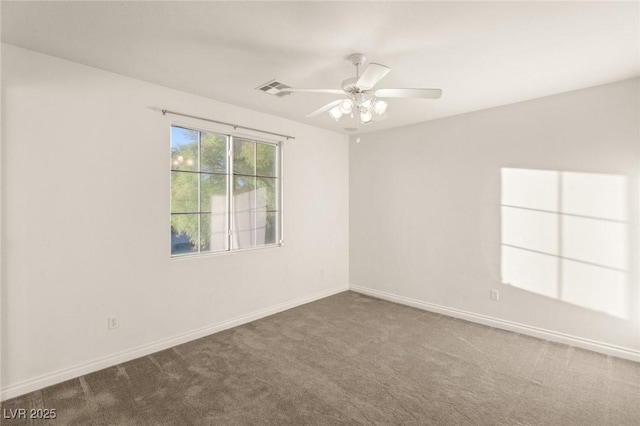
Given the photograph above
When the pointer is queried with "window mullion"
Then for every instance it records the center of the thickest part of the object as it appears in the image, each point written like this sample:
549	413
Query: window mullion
278	205
230	194
255	194
199	209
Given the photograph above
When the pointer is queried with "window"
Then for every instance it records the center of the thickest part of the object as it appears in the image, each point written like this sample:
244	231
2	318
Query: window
225	192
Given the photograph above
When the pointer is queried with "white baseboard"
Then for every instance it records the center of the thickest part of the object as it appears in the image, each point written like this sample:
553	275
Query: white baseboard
605	348
17	389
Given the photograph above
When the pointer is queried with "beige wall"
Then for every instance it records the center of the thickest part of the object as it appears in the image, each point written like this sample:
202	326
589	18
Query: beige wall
427	226
86	223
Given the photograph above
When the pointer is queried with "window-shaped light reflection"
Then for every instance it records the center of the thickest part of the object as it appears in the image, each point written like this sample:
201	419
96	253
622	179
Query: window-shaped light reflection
565	236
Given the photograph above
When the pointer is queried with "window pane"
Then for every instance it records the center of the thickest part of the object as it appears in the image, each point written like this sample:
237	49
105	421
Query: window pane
266	194
213	153
254	229
266	160
213	193
184	233
184	149
270	231
244	157
184	192
213	232
244	194
243	226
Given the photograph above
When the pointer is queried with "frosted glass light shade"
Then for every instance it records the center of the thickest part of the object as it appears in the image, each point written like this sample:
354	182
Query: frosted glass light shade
380	107
346	106
335	113
366	104
365	116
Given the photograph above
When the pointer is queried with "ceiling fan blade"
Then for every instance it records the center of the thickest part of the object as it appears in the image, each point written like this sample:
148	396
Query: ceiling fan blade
409	93
371	76
324	108
331	91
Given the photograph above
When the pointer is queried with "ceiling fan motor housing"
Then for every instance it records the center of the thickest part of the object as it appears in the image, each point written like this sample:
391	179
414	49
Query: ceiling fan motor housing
357	59
349	85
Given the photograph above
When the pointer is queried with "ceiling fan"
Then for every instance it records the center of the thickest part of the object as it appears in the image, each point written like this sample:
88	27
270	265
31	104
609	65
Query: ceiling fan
360	94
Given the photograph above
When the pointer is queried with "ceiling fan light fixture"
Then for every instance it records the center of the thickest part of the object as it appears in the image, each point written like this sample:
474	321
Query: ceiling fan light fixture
365	116
358	95
368	103
335	113
346	106
380	106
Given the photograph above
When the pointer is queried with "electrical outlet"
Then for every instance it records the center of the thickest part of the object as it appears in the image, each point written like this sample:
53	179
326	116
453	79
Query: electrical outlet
495	295
112	323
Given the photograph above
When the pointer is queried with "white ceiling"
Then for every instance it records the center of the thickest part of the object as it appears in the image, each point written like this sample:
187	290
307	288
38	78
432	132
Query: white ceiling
481	54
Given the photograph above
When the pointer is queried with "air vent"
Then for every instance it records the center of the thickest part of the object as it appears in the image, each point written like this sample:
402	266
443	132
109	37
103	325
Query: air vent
274	87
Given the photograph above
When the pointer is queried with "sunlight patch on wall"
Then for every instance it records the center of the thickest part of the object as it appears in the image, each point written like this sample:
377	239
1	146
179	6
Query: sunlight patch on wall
565	236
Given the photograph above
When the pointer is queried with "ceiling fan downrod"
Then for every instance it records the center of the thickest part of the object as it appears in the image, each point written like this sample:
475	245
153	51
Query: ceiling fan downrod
357	59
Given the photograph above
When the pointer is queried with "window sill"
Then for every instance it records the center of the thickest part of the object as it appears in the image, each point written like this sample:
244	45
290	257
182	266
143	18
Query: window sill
190	256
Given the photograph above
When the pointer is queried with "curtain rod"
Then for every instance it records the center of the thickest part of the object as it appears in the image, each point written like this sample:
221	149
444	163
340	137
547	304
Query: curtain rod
235	126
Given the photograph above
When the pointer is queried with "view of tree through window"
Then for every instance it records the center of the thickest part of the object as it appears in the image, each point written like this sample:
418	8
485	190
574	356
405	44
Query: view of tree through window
222	202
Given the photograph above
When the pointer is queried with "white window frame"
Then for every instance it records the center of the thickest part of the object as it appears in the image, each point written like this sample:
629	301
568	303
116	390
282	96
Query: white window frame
230	198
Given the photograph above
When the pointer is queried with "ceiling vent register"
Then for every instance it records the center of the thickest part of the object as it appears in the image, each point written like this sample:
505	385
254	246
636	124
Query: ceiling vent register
274	87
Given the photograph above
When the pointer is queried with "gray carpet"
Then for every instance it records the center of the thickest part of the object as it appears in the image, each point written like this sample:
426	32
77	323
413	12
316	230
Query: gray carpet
352	359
